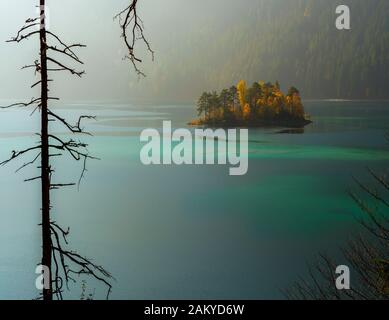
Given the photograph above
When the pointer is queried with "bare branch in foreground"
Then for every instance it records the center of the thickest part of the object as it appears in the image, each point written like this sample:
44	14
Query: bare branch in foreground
132	31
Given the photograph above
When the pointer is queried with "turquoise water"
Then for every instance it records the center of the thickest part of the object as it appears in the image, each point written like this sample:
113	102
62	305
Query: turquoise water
193	231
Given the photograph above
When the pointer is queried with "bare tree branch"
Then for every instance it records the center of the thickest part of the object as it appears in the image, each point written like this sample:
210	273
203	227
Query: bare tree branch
133	30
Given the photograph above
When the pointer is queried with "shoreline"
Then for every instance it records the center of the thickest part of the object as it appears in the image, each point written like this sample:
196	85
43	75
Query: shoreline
297	124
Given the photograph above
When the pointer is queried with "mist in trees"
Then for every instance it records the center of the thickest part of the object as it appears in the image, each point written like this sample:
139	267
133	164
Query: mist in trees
294	41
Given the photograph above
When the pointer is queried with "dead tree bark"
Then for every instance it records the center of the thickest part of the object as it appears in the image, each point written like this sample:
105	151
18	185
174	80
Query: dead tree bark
45	163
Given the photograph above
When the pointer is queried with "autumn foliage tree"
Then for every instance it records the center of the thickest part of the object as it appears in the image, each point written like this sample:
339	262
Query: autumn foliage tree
261	104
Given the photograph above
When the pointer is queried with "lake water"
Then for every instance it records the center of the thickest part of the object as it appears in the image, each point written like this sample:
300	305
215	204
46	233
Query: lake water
192	231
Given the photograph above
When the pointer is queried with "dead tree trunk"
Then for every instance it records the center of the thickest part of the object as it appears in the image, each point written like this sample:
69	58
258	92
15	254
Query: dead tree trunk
45	163
63	264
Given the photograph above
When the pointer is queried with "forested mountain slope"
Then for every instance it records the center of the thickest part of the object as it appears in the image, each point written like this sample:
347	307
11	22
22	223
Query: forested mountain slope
293	41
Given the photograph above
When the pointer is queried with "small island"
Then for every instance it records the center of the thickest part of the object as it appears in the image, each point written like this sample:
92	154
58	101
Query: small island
262	104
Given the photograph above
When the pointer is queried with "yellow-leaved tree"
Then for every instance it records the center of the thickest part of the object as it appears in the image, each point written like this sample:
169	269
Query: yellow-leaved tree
242	91
246	111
